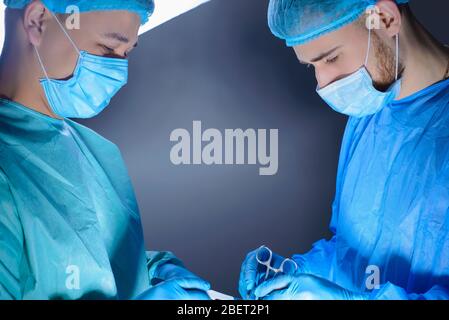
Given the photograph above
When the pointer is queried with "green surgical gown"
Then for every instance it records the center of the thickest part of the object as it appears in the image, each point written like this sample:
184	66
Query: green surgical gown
69	222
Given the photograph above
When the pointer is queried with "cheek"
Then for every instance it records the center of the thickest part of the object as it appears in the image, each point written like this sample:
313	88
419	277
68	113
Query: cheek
86	42
347	64
59	57
353	61
382	65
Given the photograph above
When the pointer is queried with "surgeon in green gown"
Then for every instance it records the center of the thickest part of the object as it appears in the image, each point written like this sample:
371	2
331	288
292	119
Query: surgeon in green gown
69	222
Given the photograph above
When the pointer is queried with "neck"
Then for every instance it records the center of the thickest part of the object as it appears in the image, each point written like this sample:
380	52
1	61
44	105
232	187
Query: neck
19	80
425	59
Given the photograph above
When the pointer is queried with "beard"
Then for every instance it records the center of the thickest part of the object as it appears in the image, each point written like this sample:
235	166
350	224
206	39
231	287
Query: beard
386	69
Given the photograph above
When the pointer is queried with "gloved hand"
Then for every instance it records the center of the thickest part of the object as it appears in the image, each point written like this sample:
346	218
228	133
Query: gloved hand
304	287
178	289
173	271
252	272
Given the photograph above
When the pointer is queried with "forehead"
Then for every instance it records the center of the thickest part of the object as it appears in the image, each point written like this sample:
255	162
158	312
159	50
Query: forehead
349	35
115	21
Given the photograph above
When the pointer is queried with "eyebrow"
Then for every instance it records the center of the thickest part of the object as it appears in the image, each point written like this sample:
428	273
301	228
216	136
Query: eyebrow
119	37
323	55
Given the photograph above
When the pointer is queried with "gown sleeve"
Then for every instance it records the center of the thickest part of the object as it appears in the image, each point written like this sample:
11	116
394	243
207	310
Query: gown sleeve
389	291
319	260
11	244
156	259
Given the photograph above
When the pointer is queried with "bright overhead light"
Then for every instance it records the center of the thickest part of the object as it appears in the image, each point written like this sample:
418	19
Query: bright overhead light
165	10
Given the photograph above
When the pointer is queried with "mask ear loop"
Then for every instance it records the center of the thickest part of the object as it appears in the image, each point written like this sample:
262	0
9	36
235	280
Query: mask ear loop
397	56
66	34
369	47
40	62
397	53
68	37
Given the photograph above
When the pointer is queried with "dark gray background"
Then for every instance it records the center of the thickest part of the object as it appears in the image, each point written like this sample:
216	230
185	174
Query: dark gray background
221	65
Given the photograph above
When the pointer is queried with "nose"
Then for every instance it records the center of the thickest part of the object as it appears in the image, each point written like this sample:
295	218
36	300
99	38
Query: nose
320	79
326	78
118	54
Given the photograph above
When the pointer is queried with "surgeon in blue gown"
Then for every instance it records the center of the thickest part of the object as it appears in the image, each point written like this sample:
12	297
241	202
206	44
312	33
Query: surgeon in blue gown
390	216
69	222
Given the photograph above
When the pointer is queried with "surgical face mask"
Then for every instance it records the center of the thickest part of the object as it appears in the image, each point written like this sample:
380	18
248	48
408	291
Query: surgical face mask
356	95
93	84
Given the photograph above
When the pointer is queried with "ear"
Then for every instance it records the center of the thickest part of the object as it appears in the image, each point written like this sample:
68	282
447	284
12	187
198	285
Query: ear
390	17
35	18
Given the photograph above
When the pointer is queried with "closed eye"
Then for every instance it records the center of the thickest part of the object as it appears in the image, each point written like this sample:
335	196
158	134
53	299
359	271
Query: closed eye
332	60
106	49
110	52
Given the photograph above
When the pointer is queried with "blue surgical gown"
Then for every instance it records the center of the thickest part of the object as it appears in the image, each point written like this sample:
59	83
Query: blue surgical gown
390	215
69	223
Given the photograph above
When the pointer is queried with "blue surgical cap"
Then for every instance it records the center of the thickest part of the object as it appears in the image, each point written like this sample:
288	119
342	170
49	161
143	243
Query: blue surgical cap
300	21
144	8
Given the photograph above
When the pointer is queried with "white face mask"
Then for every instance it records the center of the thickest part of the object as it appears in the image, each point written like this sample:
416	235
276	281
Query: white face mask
356	95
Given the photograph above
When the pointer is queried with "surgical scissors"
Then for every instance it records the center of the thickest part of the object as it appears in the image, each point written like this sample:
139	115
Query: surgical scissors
264	256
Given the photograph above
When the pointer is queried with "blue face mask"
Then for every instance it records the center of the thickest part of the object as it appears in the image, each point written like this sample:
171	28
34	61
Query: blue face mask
93	84
356	95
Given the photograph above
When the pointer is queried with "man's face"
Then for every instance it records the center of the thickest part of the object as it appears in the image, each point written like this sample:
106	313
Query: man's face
102	33
342	52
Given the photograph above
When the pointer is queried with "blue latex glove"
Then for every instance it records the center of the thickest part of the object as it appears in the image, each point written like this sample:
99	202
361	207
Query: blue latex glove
178	289
304	287
251	273
170	271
